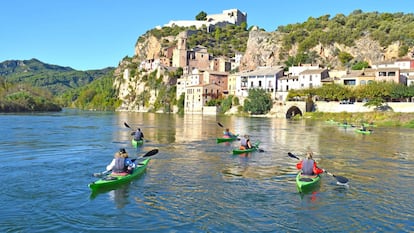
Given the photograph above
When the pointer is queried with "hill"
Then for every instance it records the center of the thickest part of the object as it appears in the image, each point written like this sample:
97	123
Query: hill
56	79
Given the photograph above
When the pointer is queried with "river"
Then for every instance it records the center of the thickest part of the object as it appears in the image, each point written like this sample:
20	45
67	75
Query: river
196	185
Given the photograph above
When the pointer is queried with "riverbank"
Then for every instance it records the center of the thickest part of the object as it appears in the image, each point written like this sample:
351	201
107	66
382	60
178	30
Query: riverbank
395	119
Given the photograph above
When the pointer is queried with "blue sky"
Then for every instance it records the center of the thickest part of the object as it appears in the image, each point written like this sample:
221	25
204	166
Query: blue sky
94	34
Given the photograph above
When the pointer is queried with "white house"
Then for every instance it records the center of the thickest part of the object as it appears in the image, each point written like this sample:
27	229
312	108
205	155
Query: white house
305	79
262	77
296	70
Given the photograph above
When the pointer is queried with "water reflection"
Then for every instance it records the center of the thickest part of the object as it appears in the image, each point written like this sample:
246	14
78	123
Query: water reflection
118	194
310	196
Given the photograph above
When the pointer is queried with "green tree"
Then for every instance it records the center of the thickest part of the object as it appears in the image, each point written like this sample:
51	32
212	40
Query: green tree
333	92
217	34
360	65
243	25
258	102
201	16
345	57
226	104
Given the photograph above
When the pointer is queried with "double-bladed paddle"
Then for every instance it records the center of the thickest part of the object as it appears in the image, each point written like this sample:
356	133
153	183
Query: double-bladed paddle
133	133
340	179
148	154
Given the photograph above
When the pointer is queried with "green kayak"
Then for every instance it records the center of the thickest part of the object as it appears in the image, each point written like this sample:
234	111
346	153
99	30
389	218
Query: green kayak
345	125
363	131
137	143
111	181
307	183
220	140
254	148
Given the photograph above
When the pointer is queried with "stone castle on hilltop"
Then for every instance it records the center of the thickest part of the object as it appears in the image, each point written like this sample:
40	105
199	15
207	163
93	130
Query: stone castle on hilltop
231	16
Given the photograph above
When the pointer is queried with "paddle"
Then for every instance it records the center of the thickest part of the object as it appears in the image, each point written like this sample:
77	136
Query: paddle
257	146
340	179
148	154
126	125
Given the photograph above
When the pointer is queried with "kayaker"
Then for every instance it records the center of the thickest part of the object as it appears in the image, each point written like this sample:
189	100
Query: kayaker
308	166
228	134
121	164
245	143
363	128
138	135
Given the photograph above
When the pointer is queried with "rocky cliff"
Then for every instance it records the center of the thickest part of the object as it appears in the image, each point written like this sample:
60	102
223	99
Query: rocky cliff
263	49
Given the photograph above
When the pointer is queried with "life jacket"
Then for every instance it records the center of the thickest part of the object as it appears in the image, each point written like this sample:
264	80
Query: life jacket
119	165
138	135
243	142
307	167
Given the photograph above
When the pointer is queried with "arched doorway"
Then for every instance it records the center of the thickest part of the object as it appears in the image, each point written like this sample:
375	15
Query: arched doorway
293	111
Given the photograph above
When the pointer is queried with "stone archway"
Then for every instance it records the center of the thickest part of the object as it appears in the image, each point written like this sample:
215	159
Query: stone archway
293	111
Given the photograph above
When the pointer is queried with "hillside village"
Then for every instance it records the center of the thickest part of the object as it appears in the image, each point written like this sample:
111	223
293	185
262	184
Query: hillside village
206	77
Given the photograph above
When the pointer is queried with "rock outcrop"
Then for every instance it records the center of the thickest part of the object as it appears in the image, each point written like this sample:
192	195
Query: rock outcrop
263	49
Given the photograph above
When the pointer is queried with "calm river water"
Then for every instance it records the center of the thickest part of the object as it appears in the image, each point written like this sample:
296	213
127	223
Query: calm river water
196	185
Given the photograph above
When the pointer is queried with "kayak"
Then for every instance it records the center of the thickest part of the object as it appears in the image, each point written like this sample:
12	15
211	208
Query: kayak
137	143
307	183
254	148
363	131
345	125
229	139
111	181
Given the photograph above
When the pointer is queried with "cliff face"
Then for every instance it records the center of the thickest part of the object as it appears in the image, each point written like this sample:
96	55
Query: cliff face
263	49
150	48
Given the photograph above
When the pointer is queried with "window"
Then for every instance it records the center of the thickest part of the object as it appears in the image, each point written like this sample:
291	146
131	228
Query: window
350	82
244	82
260	83
362	82
310	78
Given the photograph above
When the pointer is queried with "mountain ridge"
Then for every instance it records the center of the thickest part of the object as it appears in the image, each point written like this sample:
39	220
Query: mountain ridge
55	78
